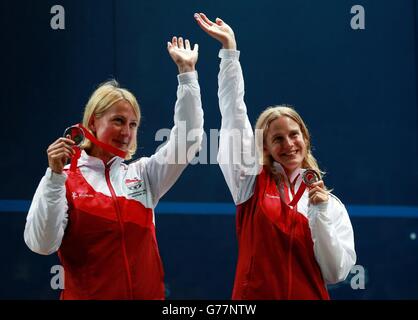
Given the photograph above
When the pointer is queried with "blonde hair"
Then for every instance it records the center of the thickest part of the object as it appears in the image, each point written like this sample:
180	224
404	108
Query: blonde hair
263	123
104	97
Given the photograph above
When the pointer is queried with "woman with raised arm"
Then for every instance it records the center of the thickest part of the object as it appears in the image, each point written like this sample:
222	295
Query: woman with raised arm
98	212
294	236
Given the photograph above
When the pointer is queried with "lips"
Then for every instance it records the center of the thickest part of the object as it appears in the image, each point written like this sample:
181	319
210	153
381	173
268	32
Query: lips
290	153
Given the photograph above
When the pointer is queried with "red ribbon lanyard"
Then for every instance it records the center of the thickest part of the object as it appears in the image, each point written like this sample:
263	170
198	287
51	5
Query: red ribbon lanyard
309	176
93	139
298	195
105	146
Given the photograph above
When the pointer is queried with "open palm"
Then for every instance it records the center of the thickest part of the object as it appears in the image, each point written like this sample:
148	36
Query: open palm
218	30
182	54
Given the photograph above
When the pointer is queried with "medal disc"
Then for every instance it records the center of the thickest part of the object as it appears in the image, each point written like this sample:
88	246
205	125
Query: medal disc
76	134
310	176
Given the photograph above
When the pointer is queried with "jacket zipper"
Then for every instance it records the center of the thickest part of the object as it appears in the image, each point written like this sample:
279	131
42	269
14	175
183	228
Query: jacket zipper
292	229
119	215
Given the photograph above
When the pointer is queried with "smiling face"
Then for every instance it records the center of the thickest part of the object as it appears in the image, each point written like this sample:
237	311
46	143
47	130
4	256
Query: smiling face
117	126
285	143
97	116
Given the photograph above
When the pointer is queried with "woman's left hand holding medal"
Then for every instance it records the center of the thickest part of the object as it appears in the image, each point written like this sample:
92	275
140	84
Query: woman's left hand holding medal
317	193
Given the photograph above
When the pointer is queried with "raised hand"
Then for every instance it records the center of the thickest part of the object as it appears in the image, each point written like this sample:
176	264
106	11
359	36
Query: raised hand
218	30
182	54
59	152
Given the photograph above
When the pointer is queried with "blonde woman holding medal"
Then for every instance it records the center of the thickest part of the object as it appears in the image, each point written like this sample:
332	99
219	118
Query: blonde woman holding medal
294	236
98	212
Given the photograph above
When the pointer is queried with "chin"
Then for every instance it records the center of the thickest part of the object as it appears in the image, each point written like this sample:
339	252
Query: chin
123	148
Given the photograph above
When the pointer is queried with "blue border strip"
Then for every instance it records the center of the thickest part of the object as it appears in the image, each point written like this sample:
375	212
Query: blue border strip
195	208
14	205
221	208
382	211
229	209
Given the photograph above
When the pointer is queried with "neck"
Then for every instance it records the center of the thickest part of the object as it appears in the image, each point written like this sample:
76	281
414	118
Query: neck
289	173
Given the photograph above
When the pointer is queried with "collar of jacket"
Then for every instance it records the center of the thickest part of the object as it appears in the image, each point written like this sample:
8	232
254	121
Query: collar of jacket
295	178
96	163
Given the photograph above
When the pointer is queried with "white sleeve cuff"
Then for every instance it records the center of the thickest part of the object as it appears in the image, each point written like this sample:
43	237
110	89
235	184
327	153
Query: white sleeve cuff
187	77
55	178
229	54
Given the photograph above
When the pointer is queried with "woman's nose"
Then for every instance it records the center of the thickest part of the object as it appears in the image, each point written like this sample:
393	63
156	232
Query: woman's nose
287	142
125	129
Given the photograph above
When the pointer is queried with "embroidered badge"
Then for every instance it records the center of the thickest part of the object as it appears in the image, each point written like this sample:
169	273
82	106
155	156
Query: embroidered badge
135	187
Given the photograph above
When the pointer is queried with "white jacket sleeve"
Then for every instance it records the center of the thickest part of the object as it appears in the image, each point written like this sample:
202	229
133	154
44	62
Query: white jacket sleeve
237	153
333	239
47	217
165	166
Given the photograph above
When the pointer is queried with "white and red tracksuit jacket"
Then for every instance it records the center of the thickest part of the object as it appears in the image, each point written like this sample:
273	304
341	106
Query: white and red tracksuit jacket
283	252
100	218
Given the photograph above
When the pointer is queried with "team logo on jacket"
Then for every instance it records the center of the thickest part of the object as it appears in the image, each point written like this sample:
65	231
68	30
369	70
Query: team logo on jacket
76	195
135	187
133	184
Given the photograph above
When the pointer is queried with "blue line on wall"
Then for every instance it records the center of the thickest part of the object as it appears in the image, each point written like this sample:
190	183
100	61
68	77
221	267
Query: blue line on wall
166	207
14	205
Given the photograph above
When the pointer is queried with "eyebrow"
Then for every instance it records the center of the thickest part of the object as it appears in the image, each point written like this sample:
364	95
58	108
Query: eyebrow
281	134
124	118
277	135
